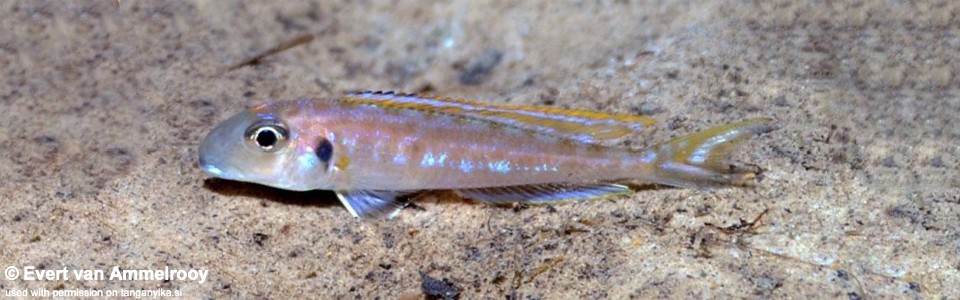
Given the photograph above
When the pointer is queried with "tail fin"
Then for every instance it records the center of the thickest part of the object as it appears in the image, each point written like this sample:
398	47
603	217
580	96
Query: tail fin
701	159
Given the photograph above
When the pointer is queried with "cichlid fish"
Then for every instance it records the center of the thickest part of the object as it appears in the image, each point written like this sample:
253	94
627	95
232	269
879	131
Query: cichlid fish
373	147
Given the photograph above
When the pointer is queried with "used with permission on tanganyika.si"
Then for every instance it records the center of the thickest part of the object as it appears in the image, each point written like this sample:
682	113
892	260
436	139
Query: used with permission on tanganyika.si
373	147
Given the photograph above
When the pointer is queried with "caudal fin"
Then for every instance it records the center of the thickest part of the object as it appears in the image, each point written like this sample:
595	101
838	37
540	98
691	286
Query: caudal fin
701	159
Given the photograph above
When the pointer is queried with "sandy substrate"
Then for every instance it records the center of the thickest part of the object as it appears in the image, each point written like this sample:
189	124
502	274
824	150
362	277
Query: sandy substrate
103	109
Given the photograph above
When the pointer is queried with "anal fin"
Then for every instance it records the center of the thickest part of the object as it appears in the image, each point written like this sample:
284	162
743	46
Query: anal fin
365	203
542	193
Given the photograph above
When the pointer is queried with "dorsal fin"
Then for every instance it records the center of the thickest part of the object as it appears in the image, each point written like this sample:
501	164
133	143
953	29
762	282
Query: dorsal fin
581	125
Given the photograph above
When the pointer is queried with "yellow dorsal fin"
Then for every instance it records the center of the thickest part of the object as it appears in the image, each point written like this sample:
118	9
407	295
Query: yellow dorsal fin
582	125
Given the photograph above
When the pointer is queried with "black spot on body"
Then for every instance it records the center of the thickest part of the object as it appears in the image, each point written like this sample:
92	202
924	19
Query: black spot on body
325	151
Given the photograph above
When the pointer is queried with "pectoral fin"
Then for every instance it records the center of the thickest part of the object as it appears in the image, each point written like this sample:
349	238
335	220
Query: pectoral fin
364	203
542	193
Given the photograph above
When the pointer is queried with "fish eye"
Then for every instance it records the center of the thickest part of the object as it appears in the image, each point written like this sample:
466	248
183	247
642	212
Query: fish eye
267	136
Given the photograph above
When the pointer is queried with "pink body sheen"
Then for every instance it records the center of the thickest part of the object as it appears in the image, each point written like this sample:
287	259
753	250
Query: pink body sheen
415	150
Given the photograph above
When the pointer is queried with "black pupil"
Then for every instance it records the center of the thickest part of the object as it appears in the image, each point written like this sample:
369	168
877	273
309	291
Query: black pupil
325	150
267	137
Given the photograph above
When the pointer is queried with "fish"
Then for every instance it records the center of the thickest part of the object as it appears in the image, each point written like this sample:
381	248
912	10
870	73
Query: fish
374	149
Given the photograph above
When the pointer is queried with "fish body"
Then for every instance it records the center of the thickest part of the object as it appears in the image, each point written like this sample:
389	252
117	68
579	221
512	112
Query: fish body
372	147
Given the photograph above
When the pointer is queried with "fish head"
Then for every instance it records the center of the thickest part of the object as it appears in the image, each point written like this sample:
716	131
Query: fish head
268	145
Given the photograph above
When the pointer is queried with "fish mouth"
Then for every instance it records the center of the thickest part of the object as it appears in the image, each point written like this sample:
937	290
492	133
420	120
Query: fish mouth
210	168
215	170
